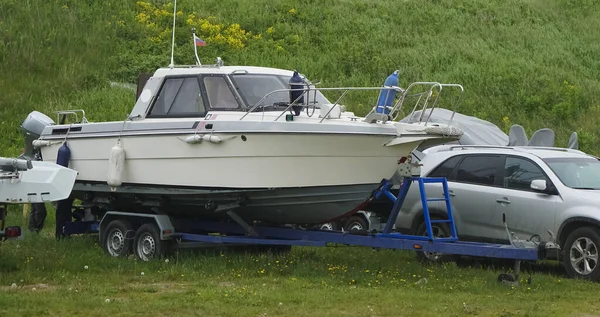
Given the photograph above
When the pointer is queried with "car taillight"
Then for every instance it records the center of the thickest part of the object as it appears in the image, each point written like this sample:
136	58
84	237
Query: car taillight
12	232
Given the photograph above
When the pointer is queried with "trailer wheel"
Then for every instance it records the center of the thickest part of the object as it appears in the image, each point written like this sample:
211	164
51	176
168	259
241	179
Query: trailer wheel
118	238
581	253
440	230
356	224
148	245
328	226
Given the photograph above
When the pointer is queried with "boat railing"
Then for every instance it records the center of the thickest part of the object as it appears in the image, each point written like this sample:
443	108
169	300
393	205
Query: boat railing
425	100
62	115
431	98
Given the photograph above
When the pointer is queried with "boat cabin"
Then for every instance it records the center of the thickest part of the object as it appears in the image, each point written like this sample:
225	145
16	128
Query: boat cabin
193	91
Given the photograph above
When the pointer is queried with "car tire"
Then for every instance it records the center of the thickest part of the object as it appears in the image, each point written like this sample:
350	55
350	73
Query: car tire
581	253
440	230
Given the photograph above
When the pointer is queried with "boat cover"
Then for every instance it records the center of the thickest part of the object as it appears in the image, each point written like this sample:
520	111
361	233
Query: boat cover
476	131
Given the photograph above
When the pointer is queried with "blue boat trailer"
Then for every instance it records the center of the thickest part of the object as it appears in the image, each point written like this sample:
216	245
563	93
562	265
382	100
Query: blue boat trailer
157	232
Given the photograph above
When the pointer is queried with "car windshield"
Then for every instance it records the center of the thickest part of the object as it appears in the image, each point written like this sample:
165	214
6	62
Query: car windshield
253	87
579	173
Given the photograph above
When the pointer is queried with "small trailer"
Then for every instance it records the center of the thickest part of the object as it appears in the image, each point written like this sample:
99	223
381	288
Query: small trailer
151	236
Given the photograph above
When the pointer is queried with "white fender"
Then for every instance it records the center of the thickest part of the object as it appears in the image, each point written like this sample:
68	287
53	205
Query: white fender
211	138
192	139
116	164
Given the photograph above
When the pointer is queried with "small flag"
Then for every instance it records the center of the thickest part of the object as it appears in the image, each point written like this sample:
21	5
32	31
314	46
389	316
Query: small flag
198	41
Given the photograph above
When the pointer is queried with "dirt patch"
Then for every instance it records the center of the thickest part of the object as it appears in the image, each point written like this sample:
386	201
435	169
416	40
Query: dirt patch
30	287
226	284
158	287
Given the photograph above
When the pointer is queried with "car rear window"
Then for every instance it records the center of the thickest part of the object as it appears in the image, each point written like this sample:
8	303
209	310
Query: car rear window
446	168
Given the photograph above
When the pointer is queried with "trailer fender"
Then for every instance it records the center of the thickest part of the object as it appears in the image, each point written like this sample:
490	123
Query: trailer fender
162	221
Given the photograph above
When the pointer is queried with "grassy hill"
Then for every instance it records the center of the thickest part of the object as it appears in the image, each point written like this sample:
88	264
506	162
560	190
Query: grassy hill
529	62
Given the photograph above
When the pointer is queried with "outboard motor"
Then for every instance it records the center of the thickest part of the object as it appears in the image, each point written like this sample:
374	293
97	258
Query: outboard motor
296	82
386	97
31	129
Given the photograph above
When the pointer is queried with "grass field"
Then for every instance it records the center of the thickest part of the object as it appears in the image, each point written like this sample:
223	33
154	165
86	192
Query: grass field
75	278
531	62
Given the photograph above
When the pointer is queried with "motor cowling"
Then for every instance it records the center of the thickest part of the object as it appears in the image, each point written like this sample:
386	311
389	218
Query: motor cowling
31	129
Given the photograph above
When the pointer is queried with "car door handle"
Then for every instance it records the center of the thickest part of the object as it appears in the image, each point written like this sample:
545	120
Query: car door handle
451	193
503	201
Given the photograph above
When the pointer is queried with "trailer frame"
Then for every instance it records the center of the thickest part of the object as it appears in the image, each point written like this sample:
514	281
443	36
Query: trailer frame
152	235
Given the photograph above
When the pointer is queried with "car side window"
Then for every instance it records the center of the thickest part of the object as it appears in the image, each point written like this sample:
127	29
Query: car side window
478	169
519	172
446	168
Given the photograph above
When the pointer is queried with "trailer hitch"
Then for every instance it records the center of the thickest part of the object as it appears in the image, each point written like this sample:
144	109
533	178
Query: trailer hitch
542	246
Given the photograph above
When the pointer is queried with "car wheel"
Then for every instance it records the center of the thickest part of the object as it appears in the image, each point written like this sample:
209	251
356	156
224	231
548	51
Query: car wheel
440	230
581	253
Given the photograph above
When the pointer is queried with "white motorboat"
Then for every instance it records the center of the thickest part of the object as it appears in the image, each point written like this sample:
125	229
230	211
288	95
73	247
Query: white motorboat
201	137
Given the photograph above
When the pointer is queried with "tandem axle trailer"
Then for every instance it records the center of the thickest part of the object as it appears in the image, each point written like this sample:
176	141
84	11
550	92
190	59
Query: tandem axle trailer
150	236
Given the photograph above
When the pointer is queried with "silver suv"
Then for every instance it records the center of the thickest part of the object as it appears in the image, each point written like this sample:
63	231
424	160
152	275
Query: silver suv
538	189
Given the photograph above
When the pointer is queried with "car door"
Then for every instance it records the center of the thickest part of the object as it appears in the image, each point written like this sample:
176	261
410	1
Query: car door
528	212
472	186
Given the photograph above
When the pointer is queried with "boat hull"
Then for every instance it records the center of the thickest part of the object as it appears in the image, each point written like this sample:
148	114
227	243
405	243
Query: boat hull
266	160
286	178
302	205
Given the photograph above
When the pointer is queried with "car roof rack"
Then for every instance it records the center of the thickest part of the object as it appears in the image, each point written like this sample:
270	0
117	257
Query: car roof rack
516	148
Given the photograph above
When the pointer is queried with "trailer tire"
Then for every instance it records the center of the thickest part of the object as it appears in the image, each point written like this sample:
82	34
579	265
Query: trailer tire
356	224
440	230
147	244
328	226
118	239
585	239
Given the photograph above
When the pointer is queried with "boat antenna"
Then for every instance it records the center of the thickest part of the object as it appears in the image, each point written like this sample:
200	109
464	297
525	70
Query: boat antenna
173	38
195	46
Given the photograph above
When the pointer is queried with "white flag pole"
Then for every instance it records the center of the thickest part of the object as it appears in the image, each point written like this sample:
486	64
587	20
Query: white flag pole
173	39
195	46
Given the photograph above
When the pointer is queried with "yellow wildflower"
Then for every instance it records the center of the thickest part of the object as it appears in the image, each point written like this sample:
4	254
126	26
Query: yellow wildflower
142	17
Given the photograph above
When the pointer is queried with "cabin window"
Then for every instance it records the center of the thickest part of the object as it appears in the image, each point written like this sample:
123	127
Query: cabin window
219	94
253	87
179	97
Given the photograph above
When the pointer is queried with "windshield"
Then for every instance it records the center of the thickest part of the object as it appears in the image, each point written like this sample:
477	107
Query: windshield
253	87
579	173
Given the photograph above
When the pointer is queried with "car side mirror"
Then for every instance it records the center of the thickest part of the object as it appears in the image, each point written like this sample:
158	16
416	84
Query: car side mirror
539	185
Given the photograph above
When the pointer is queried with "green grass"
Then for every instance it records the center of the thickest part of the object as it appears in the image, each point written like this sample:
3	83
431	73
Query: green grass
528	62
334	281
